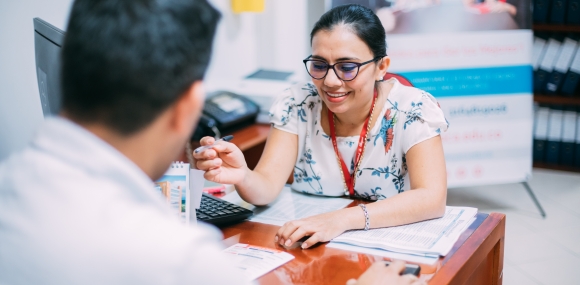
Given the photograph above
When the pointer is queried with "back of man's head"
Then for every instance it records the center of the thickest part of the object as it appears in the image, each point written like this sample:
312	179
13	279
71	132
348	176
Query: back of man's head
124	62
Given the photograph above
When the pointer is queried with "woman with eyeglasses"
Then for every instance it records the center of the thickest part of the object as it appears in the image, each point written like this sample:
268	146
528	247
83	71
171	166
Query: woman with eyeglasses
345	133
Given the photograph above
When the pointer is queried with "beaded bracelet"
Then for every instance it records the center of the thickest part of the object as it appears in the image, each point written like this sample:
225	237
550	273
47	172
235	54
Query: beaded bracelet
367	219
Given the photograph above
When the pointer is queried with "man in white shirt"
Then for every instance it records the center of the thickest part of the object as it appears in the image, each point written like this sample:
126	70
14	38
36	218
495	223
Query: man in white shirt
77	206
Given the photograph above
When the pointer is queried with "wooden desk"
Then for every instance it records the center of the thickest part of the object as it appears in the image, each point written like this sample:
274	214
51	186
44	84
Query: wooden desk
476	258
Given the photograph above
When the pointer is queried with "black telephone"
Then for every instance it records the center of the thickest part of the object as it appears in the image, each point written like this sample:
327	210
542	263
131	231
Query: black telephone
224	113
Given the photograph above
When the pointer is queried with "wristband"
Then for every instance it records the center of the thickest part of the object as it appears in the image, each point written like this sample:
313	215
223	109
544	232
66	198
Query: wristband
367	220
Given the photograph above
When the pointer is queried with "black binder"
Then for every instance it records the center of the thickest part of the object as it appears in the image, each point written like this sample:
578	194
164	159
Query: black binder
541	11
573	14
539	49
572	78
540	133
568	136
547	64
554	139
558	11
562	65
577	150
577	155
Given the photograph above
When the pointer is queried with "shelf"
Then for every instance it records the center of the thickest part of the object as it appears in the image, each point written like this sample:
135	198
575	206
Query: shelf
556	99
556	167
556	28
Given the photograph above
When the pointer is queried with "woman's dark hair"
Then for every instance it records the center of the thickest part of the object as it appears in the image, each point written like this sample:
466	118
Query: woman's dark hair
361	20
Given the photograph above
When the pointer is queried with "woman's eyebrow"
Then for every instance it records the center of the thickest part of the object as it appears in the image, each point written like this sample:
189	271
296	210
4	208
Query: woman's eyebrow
340	59
318	57
347	58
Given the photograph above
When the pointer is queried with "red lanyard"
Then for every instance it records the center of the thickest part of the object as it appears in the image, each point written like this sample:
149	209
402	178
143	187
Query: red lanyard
348	177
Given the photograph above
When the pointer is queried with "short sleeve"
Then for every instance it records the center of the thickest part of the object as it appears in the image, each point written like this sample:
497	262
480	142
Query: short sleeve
283	113
423	120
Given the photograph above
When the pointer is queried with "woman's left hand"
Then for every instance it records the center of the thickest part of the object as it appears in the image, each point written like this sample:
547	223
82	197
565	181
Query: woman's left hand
319	228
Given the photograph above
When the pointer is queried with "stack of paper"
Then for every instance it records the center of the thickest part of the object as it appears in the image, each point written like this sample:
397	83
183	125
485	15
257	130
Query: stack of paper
427	238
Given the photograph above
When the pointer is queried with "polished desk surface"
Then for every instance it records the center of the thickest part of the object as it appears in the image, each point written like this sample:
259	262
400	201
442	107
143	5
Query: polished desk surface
476	258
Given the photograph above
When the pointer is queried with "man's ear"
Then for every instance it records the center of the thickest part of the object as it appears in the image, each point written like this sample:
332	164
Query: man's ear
383	66
188	107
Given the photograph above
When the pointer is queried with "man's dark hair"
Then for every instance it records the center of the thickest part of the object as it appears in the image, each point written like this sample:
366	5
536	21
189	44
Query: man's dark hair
361	20
124	62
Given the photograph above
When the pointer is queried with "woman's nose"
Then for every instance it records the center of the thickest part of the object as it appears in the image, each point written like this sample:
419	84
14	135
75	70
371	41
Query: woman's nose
332	79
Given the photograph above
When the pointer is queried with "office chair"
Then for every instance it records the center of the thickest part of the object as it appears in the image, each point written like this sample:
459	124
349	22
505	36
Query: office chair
401	79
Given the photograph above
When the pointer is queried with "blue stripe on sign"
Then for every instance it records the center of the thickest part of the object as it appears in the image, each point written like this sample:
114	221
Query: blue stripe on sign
473	81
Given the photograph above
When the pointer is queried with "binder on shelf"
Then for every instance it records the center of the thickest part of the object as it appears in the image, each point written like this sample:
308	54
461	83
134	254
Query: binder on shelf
572	78
558	11
540	133
577	148
541	11
568	136
563	62
554	139
538	51
546	65
573	13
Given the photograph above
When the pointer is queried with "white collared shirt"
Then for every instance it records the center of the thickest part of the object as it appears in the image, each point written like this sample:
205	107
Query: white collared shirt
74	210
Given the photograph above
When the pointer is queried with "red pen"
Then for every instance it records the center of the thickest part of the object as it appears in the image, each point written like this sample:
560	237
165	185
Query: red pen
215	189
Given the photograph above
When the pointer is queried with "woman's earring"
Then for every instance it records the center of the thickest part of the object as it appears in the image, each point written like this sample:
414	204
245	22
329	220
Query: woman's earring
380	80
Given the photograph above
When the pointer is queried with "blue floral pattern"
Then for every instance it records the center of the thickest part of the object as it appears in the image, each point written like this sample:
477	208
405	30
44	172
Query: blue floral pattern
408	117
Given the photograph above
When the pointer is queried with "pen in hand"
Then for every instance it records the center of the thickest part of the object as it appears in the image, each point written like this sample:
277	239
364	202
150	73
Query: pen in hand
202	148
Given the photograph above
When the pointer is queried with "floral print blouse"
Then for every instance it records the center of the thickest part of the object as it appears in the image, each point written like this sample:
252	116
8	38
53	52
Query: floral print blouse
408	117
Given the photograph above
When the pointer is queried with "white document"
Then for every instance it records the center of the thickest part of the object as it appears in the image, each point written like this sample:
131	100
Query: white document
289	206
430	260
196	182
256	261
427	238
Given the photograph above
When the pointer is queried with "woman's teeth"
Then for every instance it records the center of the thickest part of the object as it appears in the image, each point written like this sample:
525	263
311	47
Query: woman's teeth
337	95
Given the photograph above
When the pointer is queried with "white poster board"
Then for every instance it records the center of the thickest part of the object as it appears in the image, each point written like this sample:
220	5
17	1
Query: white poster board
475	58
483	82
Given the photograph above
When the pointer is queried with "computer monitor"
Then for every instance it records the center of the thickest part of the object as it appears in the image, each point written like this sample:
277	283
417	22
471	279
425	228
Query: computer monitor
48	40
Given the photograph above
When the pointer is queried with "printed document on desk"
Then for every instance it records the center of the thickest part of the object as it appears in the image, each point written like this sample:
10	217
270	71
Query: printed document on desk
256	261
289	206
427	238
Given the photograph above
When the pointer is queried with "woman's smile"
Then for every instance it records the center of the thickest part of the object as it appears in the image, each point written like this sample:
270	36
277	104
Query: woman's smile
336	97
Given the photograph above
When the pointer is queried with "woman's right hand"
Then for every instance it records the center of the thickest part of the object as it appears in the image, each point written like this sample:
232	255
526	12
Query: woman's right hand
223	163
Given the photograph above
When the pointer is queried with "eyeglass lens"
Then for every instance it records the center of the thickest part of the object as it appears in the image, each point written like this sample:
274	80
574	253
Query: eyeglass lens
344	70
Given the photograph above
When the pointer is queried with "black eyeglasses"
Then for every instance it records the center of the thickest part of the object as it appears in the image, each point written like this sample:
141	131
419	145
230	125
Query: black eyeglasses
346	71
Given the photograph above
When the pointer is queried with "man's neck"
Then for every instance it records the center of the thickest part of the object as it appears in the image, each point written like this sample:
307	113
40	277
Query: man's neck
143	148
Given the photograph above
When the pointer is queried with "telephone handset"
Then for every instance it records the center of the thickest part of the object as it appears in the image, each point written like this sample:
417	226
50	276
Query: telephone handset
225	112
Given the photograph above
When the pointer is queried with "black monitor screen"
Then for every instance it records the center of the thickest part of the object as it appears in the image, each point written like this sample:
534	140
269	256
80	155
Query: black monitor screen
47	42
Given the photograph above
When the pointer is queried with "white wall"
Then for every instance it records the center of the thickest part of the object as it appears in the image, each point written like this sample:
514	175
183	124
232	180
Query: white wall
20	111
278	38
